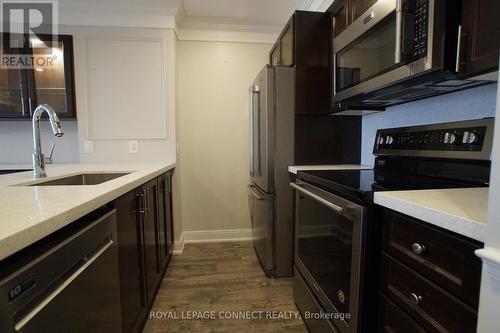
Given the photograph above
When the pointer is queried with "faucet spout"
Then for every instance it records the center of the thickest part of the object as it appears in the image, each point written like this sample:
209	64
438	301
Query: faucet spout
38	158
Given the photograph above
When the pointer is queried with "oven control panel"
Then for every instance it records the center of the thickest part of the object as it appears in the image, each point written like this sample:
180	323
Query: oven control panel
467	136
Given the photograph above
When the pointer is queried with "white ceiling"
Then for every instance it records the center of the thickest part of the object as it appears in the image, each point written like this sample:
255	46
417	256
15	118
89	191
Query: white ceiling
271	13
249	15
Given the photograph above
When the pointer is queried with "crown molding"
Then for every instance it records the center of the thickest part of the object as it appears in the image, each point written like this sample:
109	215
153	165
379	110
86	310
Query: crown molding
319	5
206	35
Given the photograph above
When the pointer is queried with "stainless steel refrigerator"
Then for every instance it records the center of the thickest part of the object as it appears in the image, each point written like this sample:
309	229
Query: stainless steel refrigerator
271	147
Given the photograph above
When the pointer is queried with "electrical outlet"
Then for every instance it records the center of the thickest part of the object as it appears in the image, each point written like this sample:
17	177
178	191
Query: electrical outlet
88	146
133	146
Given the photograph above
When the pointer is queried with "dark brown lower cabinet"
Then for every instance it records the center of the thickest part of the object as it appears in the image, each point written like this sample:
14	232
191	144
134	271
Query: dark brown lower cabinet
149	221
429	278
165	218
144	222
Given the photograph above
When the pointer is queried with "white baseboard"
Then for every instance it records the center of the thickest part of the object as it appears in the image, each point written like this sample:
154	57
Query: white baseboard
211	236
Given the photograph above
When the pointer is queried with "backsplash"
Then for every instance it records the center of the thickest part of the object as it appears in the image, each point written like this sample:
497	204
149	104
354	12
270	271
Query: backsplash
474	103
16	142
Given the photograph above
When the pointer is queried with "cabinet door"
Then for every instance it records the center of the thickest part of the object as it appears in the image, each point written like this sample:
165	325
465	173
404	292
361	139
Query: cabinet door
480	41
52	81
340	18
132	288
287	45
13	100
162	220
170	216
150	236
275	55
359	7
13	93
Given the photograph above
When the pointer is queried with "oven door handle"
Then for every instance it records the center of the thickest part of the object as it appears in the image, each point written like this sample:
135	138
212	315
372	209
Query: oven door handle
339	210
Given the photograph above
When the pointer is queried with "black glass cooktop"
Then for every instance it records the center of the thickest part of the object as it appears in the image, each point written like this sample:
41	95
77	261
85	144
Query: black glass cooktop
361	184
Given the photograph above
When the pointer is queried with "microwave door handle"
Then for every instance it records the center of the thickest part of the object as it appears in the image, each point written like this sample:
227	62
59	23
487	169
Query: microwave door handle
459	49
399	32
334	73
250	132
316	197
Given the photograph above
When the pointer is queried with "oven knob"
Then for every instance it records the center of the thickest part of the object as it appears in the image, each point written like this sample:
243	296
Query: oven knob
389	140
449	138
381	140
469	138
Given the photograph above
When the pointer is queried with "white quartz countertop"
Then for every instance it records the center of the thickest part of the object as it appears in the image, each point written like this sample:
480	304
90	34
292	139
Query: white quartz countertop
29	213
463	211
296	168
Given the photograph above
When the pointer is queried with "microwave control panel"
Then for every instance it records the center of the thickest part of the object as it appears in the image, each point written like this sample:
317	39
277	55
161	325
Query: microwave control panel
420	24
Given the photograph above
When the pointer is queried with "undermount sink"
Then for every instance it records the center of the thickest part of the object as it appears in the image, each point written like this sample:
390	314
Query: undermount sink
82	179
6	172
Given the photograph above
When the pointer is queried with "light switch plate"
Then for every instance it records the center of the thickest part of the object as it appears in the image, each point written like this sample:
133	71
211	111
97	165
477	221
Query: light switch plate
88	146
133	146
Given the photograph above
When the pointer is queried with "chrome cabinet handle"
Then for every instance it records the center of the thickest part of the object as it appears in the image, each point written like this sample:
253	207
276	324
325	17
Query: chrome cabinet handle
30	106
459	49
418	249
415	299
40	306
146	201
140	196
399	31
23	111
325	202
255	193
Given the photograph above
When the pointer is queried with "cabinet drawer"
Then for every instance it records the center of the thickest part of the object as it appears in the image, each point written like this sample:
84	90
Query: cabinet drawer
394	320
434	308
443	257
306	302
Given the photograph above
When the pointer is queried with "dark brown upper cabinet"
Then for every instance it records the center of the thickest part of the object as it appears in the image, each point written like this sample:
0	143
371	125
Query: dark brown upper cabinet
275	55
304	44
479	38
22	90
340	18
344	12
358	7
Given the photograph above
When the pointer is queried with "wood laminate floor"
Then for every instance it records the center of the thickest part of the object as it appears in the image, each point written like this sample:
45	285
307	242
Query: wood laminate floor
222	278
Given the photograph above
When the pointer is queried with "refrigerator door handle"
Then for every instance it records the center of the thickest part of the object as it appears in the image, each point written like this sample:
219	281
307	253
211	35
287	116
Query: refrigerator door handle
250	131
253	90
254	193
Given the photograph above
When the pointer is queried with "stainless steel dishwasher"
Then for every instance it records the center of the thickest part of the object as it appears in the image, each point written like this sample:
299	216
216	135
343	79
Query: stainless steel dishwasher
68	282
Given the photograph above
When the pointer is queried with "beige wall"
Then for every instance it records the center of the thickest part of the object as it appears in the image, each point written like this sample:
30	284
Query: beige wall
112	150
213	80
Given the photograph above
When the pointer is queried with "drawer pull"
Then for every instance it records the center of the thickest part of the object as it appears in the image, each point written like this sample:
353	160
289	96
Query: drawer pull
418	249
415	299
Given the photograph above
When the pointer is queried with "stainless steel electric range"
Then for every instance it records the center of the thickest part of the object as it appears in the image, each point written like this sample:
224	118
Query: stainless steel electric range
337	226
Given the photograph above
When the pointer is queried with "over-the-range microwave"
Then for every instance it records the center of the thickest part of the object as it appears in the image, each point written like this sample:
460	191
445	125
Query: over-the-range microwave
398	51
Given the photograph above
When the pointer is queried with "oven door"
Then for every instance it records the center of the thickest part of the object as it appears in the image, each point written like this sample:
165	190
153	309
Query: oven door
385	45
328	250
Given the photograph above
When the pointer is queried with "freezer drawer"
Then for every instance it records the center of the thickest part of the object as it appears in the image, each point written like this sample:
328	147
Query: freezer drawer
71	286
262	216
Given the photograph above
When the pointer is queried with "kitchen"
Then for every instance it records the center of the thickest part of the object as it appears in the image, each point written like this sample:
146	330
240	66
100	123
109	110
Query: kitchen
251	166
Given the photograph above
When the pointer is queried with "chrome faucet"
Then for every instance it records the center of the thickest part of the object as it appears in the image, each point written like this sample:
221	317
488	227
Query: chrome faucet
38	158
